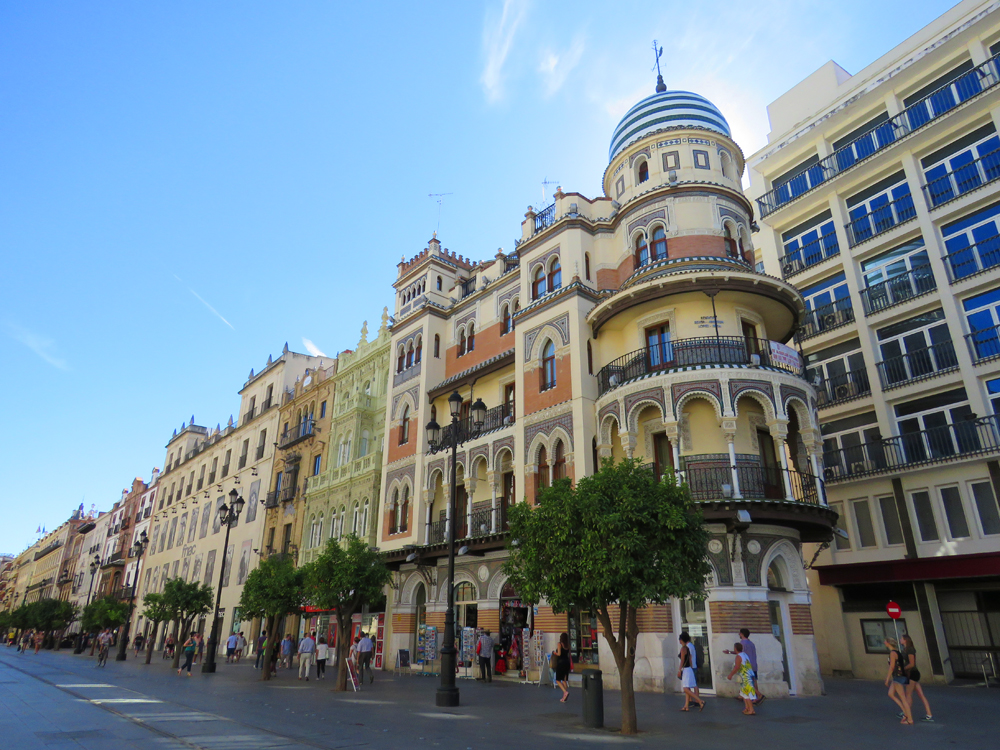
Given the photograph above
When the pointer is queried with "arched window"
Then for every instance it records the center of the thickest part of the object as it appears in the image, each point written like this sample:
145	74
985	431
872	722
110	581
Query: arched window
730	242
437	346
356	523
394	512
555	275
548	366
586	266
659	244
417	351
775	581
368	387
461	342
404	510
343	520
439	283
538	285
401	360
364	519
470	343
505	328
319	531
643	171
559	465
404	426
543	468
641	252
590	359
434	413
364	444
409	356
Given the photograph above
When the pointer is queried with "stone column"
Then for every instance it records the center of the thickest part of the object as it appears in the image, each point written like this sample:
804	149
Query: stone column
628	441
729	430
470	486
779	431
429	504
673	435
494	480
814	444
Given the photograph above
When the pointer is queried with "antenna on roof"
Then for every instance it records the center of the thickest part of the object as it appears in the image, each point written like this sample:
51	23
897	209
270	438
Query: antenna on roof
658	53
440	200
546	182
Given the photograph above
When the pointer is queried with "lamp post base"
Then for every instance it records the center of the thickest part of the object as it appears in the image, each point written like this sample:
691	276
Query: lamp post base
208	667
447	697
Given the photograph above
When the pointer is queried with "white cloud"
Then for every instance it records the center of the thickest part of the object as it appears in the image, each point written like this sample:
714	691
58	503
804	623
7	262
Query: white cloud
556	67
40	345
312	348
498	36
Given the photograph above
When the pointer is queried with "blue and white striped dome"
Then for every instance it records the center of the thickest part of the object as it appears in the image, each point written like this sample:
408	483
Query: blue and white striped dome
667	109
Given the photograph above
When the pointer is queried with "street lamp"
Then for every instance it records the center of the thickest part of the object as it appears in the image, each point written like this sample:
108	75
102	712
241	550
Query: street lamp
227	515
94	565
137	551
447	694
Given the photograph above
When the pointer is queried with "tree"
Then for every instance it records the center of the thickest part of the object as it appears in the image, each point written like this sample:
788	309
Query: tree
51	615
275	588
106	612
156	611
618	538
185	601
341	579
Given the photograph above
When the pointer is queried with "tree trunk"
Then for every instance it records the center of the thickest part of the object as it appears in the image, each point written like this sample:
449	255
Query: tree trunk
152	642
93	645
176	663
623	649
58	641
343	649
630	725
265	667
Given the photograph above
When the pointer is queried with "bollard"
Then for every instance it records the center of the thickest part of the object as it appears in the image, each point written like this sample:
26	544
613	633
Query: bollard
593	699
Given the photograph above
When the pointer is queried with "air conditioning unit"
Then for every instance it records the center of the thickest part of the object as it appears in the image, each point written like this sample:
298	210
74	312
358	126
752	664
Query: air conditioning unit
843	391
755	360
613	380
835	471
508	420
830	320
862	467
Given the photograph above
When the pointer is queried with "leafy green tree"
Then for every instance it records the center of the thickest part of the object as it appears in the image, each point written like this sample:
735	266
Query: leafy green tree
106	612
53	615
23	617
275	588
342	579
185	601
618	538
156	611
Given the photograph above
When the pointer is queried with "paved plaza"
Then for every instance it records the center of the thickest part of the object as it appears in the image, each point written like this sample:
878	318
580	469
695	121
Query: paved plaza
58	700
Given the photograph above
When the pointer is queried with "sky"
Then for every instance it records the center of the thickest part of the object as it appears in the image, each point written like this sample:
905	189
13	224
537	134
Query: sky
187	186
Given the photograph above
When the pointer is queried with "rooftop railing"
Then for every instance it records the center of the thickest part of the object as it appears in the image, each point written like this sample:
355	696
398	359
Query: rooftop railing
917	115
545	218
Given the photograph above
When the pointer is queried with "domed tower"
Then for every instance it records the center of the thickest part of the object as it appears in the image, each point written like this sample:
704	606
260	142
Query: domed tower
697	378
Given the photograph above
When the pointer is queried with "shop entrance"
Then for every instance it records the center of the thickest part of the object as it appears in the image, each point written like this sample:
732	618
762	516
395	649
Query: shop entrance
694	621
971	622
583	636
513	621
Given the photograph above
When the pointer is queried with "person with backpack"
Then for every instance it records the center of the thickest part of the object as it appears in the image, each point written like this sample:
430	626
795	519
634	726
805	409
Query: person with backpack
896	680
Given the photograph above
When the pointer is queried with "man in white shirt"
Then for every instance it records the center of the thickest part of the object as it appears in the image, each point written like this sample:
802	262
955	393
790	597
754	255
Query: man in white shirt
241	644
365	650
307	650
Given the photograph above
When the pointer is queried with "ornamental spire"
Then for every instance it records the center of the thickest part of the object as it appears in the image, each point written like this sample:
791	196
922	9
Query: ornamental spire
658	52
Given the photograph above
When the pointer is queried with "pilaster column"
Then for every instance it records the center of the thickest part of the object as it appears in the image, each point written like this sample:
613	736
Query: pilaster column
494	481
673	435
429	509
779	431
813	445
628	441
729	430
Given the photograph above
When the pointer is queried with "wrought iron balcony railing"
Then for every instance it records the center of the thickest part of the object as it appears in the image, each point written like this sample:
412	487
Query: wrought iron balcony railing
545	218
882	136
826	318
880	219
271	499
296	434
705	350
971	437
250	414
898	289
496	418
984	344
976	258
754	483
843	387
468	287
917	365
810	254
969	176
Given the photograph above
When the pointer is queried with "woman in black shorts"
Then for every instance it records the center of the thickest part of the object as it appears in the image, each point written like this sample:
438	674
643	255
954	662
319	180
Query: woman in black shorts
563	666
910	667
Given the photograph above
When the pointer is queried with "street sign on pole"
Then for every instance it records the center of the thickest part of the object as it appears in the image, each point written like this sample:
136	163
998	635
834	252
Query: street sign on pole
895	612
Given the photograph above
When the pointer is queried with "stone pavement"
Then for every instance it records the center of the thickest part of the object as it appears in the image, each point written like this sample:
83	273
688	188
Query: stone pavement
60	701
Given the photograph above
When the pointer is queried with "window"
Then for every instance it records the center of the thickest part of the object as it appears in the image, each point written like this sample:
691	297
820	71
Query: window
394	512
890	520
972	244
879	208
874	633
914	348
963	165
404	510
896	276
409	356
439	283
863	523
659	243
317	460
322	410
986	506
356	521
671	160
838	372
982	314
364	518
404	427
590	359
727	235
548	366
641	252
505	328
368	388
937	426
364	444
658	348
401	360
924	512
543	468
559	465
471	342
437	346
538	285
809	243
586	266
418	351
461	342
958	525
828	305
701	159
643	171
555	275
839	542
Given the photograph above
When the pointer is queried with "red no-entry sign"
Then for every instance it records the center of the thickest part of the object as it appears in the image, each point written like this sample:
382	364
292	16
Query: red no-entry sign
893	610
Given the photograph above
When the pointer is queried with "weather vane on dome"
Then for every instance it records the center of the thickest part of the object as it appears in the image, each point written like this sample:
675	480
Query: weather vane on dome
658	52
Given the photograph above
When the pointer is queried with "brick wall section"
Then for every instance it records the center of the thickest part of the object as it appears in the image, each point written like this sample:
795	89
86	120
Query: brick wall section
801	617
550	622
536	399
404	623
695	245
489	343
397	451
436	619
656	618
729	617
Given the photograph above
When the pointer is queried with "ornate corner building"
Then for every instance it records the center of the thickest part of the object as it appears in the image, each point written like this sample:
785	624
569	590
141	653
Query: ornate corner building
634	324
879	198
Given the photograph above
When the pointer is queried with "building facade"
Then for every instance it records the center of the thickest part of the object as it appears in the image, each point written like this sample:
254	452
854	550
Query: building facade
629	325
878	198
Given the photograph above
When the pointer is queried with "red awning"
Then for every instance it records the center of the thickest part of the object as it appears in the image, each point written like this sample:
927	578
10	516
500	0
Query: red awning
917	569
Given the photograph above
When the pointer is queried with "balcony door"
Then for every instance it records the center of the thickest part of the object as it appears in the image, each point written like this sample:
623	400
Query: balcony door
663	455
461	505
939	434
659	353
770	468
915	348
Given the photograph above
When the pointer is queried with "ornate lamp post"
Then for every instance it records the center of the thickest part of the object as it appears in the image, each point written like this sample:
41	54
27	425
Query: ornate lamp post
447	693
137	551
94	565
227	515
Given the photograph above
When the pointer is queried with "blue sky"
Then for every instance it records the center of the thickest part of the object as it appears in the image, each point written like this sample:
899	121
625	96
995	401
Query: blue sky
184	187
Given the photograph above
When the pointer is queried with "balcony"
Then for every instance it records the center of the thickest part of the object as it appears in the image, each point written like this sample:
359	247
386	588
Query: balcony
467	287
898	289
917	365
259	454
974	259
817	251
496	418
296	434
510	262
985	344
880	219
545	218
707	350
115	560
753	483
437	532
287	494
243	461
480	523
271	500
882	136
268	403
972	437
826	317
47	549
841	388
250	414
969	176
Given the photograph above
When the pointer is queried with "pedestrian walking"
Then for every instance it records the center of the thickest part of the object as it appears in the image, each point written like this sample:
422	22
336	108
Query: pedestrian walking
686	673
750	651
286	651
168	647
366	649
741	667
25	640
190	647
39	638
200	653
307	649
484	647
322	651
241	644
261	645
231	643
563	666
353	653
910	667
137	644
896	680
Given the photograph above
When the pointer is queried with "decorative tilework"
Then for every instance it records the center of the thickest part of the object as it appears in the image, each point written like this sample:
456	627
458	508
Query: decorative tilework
499	445
620	187
561	324
720	561
650	394
714	387
563	420
402	472
644	221
544	260
735	215
465	319
637	154
613	408
414	394
437	465
737	387
479	450
507	294
787	391
409	373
